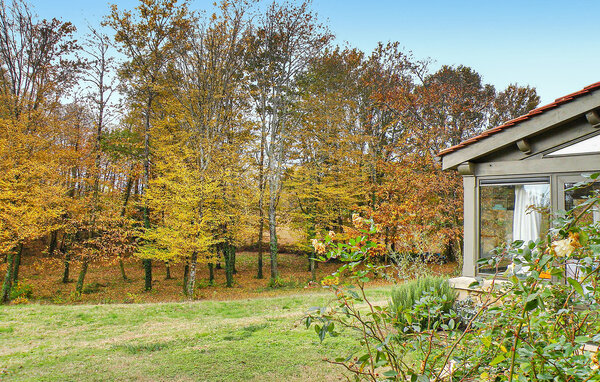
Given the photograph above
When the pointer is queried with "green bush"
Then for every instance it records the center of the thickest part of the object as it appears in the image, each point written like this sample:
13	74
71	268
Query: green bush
408	295
21	290
92	288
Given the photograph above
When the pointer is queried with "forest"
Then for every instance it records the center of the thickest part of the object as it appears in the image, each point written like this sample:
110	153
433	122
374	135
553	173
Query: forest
179	136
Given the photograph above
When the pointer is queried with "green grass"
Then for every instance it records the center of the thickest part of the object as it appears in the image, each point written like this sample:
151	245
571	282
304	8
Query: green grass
260	339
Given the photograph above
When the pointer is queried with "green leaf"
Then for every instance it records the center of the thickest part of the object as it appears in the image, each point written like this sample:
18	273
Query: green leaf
576	285
583	238
451	324
497	360
531	305
487	341
582	339
308	322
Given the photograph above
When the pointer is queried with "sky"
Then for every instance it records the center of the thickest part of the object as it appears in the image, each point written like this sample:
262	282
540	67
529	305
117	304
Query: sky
550	45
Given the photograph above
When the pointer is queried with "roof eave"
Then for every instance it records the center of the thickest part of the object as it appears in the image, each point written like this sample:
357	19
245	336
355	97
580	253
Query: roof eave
493	140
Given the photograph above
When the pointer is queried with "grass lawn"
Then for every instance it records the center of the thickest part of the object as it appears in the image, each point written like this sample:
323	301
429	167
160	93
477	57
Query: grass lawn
259	339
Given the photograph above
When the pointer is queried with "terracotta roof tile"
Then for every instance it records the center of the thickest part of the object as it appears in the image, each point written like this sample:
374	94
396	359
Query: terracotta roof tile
513	122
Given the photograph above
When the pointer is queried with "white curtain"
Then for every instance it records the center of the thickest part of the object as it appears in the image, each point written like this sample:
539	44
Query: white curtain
527	223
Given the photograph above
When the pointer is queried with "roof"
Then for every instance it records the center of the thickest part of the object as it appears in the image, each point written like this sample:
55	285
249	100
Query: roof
516	121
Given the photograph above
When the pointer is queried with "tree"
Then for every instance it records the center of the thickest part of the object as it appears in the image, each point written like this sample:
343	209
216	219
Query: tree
513	102
98	75
148	38
184	207
200	144
326	181
36	68
286	38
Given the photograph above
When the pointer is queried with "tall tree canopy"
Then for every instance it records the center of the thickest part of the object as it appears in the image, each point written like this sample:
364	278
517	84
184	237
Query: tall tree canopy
228	123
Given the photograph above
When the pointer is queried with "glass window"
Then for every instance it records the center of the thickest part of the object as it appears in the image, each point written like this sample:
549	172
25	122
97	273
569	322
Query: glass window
574	198
588	146
511	212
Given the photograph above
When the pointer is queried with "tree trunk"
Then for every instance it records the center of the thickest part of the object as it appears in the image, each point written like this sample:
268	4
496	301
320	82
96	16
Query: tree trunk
168	270
186	272
273	238
147	262
234	269
122	267
17	263
53	242
147	274
259	274
228	254
211	274
261	208
191	282
8	278
313	266
82	273
460	256
67	263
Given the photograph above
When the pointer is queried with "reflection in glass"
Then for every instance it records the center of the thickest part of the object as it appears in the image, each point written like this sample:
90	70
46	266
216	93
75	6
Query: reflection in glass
588	146
574	198
510	213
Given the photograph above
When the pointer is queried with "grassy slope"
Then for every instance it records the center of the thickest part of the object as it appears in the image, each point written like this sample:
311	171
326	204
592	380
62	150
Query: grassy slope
261	339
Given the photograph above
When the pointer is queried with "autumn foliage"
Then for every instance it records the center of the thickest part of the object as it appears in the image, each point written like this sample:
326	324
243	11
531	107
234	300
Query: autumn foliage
210	132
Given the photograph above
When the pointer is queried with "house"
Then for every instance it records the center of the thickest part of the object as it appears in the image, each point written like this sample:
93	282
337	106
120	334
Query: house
515	175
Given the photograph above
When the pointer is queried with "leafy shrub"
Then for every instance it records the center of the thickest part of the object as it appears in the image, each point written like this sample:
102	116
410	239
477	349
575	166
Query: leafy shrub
20	301
133	298
466	309
528	328
92	288
283	283
406	296
21	290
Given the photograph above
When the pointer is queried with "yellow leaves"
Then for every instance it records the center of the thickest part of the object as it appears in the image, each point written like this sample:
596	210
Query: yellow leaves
193	203
30	183
330	281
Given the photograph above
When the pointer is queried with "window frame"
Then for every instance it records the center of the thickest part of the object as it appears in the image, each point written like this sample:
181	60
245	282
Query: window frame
504	181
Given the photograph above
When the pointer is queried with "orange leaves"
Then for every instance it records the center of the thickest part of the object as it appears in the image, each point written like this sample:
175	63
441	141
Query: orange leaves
419	206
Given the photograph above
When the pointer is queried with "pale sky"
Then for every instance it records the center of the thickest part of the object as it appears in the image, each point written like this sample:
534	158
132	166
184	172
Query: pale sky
551	45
